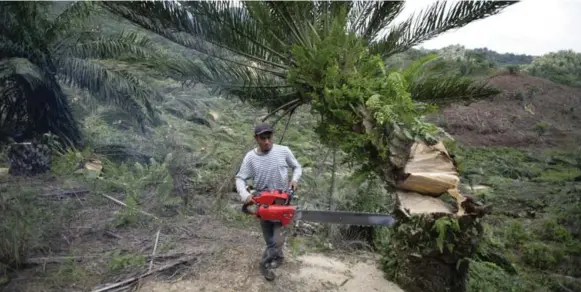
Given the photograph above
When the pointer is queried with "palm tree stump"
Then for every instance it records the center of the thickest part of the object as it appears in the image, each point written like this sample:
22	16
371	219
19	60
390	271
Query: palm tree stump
28	159
427	249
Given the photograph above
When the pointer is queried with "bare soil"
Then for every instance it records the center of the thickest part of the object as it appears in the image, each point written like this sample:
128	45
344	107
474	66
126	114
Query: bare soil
515	117
236	270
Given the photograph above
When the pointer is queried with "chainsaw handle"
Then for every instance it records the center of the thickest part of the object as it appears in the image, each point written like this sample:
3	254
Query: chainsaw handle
245	207
291	196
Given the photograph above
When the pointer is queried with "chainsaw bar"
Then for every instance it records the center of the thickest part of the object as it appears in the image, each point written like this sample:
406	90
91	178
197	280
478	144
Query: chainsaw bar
346	218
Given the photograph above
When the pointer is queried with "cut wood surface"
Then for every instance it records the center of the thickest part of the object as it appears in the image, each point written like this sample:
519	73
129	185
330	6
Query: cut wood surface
429	173
412	203
430	170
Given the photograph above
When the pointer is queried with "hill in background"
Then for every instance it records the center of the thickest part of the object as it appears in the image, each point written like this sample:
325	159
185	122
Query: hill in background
538	106
530	112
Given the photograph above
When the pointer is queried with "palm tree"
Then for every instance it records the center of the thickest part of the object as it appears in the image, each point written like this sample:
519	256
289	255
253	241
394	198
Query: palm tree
330	56
39	55
254	51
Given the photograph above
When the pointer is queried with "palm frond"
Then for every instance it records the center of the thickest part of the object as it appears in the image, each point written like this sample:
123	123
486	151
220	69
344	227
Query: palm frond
368	18
21	33
94	45
244	57
220	23
23	21
10	49
435	20
46	106
246	83
446	89
26	71
71	18
247	45
110	87
430	82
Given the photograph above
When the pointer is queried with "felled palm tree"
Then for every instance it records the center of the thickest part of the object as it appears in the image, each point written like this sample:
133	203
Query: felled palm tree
38	55
330	55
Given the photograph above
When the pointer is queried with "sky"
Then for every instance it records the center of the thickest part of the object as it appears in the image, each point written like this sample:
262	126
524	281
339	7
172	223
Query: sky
532	27
529	27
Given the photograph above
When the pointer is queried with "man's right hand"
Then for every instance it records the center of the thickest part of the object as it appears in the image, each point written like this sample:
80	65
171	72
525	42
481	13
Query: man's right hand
249	199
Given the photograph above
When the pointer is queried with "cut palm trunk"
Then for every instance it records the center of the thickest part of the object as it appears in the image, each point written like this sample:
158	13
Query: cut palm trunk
427	249
28	159
433	236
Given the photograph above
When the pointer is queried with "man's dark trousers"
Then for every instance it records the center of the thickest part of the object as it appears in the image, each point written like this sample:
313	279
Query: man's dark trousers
272	232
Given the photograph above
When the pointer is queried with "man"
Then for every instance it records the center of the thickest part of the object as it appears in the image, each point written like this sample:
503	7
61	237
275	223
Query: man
267	165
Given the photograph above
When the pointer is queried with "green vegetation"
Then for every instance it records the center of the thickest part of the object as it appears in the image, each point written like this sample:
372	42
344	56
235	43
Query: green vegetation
48	49
168	173
533	225
561	67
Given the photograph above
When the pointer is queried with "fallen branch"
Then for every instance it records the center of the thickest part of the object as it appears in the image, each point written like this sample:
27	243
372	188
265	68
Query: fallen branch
154	249
125	205
111	234
60	260
137	278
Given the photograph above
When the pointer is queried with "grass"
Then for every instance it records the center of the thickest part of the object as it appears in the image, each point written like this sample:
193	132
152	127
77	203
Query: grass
536	200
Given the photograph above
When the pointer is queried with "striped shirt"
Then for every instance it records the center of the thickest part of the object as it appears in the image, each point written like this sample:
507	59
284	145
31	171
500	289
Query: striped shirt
268	171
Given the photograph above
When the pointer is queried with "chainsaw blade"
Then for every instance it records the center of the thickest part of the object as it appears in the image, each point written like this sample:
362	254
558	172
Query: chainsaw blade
346	218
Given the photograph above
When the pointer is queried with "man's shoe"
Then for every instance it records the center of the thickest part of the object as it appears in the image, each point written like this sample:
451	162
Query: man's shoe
277	262
266	272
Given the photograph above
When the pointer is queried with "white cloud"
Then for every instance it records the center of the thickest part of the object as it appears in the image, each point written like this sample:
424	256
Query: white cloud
533	27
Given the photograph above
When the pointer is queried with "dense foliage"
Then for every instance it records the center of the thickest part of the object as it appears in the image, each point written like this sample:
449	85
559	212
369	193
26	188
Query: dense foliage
44	53
561	67
353	85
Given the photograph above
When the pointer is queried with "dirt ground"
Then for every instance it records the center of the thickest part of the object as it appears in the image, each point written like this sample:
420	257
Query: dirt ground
531	112
223	255
233	266
234	271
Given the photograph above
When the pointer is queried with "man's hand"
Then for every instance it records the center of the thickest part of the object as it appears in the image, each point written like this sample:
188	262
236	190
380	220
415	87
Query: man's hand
249	199
294	185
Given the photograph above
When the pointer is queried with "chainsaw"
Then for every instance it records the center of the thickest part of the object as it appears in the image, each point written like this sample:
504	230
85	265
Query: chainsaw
275	205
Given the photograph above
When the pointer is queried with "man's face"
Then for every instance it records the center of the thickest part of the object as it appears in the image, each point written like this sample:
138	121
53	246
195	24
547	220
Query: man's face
264	141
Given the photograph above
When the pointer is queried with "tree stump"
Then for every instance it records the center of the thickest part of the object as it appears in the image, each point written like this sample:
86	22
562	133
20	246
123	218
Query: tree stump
28	159
427	249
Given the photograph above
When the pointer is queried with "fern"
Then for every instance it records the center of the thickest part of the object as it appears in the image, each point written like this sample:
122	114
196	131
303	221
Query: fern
442	226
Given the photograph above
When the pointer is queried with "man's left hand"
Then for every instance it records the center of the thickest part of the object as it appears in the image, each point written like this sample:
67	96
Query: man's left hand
294	185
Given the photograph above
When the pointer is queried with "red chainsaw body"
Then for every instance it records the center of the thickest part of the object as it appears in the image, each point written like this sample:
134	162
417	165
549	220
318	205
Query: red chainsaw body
273	206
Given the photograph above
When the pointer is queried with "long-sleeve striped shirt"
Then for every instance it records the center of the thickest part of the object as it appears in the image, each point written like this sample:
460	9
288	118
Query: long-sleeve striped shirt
268	171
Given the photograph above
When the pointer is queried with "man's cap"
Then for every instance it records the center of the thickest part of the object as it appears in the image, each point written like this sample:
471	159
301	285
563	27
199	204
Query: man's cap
262	128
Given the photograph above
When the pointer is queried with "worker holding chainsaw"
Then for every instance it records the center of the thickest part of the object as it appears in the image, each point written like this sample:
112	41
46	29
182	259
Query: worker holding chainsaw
267	165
